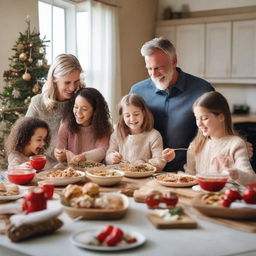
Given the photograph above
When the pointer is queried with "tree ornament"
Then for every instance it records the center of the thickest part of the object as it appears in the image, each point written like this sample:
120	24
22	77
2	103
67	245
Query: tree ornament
23	56
30	60
36	88
41	50
20	47
26	76
15	93
30	45
39	63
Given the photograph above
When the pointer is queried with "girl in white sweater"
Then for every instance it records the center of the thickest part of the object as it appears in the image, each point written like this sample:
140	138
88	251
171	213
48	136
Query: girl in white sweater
134	139
216	147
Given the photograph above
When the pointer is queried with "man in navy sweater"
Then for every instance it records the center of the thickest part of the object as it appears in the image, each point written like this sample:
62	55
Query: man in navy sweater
170	94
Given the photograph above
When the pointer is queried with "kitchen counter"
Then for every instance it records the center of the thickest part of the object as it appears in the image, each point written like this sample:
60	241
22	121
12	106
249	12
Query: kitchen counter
244	118
208	238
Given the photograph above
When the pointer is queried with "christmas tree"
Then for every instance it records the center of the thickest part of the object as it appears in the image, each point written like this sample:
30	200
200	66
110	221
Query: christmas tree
27	73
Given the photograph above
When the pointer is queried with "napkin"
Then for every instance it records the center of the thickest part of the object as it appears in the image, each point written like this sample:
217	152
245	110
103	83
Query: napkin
35	217
11	207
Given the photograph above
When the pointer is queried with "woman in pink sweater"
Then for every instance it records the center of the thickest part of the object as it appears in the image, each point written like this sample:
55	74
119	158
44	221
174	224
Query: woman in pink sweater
85	131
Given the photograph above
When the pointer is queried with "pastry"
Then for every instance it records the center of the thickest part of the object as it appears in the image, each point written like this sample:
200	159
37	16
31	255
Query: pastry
91	189
108	202
72	191
82	202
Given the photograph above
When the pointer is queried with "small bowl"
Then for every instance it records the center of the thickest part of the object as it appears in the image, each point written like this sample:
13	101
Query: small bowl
105	176
37	162
212	182
21	175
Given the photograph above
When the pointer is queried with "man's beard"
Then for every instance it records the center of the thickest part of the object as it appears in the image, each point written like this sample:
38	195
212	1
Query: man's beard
166	83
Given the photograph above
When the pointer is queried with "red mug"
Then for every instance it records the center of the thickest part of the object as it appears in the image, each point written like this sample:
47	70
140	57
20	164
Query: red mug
37	162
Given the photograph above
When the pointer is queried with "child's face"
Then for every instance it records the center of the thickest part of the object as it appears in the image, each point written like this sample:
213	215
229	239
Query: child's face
210	124
133	118
83	111
67	85
36	143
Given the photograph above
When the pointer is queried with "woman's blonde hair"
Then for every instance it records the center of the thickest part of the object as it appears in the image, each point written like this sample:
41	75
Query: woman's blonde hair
216	104
62	65
137	101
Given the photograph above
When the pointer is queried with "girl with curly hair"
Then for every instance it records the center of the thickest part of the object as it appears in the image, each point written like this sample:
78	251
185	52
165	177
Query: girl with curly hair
85	131
29	136
134	139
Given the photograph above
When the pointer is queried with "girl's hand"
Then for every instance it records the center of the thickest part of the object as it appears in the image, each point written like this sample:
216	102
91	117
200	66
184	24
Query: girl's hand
168	154
26	164
222	162
60	154
249	147
116	158
77	158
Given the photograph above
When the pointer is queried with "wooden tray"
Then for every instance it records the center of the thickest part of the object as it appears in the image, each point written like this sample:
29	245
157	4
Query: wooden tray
244	213
98	214
141	194
184	222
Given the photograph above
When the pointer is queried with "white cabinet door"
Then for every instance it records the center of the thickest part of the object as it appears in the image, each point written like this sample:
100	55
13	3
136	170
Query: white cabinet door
190	46
168	32
244	49
218	50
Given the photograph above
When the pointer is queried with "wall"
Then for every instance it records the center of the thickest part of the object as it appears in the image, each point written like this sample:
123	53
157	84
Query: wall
12	20
243	94
201	5
137	25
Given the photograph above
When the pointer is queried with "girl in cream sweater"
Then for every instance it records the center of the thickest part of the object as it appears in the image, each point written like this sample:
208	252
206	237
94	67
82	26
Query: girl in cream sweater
134	139
216	148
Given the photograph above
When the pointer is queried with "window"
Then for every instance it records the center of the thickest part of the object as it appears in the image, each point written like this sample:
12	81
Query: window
52	26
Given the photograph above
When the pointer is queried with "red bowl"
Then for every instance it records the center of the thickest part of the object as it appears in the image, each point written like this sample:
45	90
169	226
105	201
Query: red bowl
212	182
21	175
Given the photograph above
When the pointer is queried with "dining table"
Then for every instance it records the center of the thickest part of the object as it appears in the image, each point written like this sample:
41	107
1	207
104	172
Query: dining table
208	238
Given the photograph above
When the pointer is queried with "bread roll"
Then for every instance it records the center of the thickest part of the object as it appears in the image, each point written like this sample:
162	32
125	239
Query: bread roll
91	189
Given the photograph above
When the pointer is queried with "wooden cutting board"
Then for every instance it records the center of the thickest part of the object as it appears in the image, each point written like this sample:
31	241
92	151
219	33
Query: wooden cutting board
184	222
141	194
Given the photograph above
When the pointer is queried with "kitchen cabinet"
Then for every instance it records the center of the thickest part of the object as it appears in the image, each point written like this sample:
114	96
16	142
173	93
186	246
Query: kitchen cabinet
190	48
219	49
168	32
244	49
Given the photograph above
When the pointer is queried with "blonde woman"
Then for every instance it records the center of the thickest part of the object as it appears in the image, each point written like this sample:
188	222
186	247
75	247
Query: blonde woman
63	80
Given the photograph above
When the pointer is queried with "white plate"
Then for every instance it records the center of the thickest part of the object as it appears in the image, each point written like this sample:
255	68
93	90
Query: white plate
13	197
79	239
176	184
61	181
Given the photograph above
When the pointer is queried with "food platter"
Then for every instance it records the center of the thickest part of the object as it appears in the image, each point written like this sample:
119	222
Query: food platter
96	213
22	193
246	212
61	181
137	170
175	180
82	239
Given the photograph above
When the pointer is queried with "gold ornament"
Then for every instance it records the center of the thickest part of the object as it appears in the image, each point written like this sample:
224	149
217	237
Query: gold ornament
26	76
20	47
23	56
30	60
30	45
36	88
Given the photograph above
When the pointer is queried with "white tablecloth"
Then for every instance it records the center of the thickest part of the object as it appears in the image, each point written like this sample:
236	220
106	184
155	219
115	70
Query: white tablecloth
208	239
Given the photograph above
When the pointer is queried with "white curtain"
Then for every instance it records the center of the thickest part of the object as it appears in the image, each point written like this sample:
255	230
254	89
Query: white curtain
103	72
